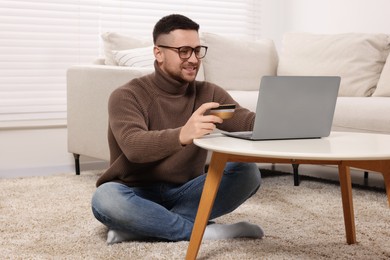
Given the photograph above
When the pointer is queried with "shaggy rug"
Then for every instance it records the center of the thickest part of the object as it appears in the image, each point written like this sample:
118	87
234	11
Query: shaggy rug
50	218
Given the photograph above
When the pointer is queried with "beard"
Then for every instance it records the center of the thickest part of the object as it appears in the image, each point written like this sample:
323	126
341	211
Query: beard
187	72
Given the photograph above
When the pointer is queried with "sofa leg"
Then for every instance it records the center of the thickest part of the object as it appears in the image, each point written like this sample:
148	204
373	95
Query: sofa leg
77	163
365	179
296	175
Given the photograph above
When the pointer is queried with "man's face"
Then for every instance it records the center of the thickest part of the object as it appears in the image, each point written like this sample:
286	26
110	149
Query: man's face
183	70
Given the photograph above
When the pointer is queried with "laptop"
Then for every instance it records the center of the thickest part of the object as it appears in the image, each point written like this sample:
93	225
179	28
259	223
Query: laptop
293	107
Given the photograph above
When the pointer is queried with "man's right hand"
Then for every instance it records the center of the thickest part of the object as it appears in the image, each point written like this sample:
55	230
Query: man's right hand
199	124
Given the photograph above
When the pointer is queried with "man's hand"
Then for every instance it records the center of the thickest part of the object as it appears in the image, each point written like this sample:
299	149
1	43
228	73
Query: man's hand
198	124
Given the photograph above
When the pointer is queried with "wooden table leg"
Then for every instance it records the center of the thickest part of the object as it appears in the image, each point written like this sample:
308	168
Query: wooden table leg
210	189
386	177
381	166
385	170
346	196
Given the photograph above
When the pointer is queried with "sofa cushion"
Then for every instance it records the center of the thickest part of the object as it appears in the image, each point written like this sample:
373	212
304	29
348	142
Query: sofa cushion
247	60
357	58
362	114
383	88
113	41
247	99
137	57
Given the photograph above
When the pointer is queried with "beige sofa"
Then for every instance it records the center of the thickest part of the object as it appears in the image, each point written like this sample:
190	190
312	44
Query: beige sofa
238	65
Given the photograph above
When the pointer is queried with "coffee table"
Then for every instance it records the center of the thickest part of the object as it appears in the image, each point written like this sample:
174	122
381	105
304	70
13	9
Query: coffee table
344	149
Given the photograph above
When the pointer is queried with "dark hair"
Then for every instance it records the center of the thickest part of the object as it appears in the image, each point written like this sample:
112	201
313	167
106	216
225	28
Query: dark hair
173	22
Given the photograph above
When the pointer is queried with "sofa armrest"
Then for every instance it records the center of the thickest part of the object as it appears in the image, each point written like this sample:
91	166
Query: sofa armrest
88	90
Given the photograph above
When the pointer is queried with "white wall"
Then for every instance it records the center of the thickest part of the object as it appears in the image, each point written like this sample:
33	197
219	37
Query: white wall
30	152
338	16
324	16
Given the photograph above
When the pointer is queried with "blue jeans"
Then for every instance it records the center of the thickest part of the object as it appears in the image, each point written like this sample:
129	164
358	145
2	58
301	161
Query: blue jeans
167	211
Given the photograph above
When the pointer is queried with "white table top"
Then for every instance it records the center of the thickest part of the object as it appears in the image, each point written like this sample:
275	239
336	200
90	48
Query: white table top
338	146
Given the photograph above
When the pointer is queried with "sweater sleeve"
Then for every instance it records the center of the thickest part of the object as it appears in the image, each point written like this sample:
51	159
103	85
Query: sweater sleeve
128	124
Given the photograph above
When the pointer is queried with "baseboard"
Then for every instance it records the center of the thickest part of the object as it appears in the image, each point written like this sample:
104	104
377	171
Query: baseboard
320	171
51	169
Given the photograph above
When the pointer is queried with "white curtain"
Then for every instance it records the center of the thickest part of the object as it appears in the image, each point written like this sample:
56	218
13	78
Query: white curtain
40	39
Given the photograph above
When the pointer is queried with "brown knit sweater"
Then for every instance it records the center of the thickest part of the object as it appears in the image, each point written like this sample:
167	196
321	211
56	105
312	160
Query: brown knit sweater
145	118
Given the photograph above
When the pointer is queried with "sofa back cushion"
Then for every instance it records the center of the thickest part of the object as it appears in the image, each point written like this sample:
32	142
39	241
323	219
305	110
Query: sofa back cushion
383	88
113	41
238	64
358	58
137	57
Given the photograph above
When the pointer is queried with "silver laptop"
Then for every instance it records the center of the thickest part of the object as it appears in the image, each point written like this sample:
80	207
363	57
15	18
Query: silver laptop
293	107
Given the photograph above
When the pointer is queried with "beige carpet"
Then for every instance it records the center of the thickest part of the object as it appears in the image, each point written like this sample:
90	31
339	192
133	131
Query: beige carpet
50	218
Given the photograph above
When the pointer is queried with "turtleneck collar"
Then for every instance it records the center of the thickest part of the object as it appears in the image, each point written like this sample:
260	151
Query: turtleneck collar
167	84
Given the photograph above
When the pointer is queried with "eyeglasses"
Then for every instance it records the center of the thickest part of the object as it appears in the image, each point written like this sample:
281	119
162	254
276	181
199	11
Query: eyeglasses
185	52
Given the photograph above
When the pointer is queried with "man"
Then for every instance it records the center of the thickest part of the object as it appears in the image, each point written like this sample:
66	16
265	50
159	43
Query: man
153	185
